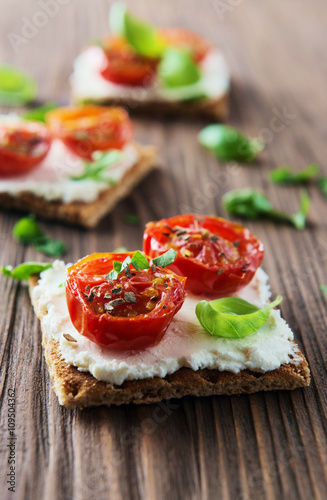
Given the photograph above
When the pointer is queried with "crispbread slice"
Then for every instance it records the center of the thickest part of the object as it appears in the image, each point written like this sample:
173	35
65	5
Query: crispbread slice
80	389
216	109
81	213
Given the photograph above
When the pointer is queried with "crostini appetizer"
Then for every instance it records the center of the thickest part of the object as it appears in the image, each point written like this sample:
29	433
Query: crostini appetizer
75	167
191	318
169	70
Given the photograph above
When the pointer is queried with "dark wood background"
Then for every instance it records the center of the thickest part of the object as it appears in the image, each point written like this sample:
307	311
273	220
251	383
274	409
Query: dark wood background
264	446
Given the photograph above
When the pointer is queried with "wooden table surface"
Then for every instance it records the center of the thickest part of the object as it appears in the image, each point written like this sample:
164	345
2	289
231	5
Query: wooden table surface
263	446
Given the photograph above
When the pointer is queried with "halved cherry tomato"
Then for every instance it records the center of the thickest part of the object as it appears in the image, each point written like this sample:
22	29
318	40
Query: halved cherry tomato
127	313
86	129
183	38
23	145
124	66
216	256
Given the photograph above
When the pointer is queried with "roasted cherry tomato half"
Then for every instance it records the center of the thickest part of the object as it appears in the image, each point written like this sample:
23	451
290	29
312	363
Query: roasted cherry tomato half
127	313
182	38
86	129
23	145
216	256
124	66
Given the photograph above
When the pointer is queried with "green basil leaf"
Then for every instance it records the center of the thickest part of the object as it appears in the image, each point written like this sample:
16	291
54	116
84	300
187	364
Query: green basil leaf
132	219
139	261
50	247
97	169
118	267
322	184
141	36
16	87
177	68
25	270
27	229
232	317
298	219
248	203
252	204
38	114
284	175
165	259
229	144
323	288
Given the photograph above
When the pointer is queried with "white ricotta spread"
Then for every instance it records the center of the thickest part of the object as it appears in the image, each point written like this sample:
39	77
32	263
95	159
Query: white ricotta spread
51	179
185	343
87	82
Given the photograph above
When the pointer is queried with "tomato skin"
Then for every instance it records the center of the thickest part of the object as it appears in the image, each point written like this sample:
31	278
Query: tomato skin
184	38
235	271
119	332
90	128
125	67
23	145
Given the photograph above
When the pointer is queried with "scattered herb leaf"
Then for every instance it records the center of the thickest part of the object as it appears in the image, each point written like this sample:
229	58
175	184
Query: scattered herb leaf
252	204
28	231
25	270
120	250
229	144
284	175
132	219
233	317
97	169
165	259
177	68
16	87
323	288
322	184
38	114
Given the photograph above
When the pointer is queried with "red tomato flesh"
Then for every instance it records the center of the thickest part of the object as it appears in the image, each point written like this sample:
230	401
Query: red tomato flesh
90	128
125	67
127	313
216	256
23	145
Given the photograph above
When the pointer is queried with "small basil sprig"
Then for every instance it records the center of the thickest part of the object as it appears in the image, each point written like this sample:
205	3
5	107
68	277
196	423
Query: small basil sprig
284	175
229	144
25	270
177	68
252	204
141	36
165	259
323	288
38	114
138	261
322	185
16	87
28	231
97	169
232	317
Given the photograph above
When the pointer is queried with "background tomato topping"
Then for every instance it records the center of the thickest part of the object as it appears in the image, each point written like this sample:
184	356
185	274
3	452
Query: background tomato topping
216	256
124	66
23	145
86	129
182	38
127	313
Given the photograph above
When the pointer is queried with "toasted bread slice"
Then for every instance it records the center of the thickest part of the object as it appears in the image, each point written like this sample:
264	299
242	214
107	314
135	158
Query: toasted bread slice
80	389
214	109
81	213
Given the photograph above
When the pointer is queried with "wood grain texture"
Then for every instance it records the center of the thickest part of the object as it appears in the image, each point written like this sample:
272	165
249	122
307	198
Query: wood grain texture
264	446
